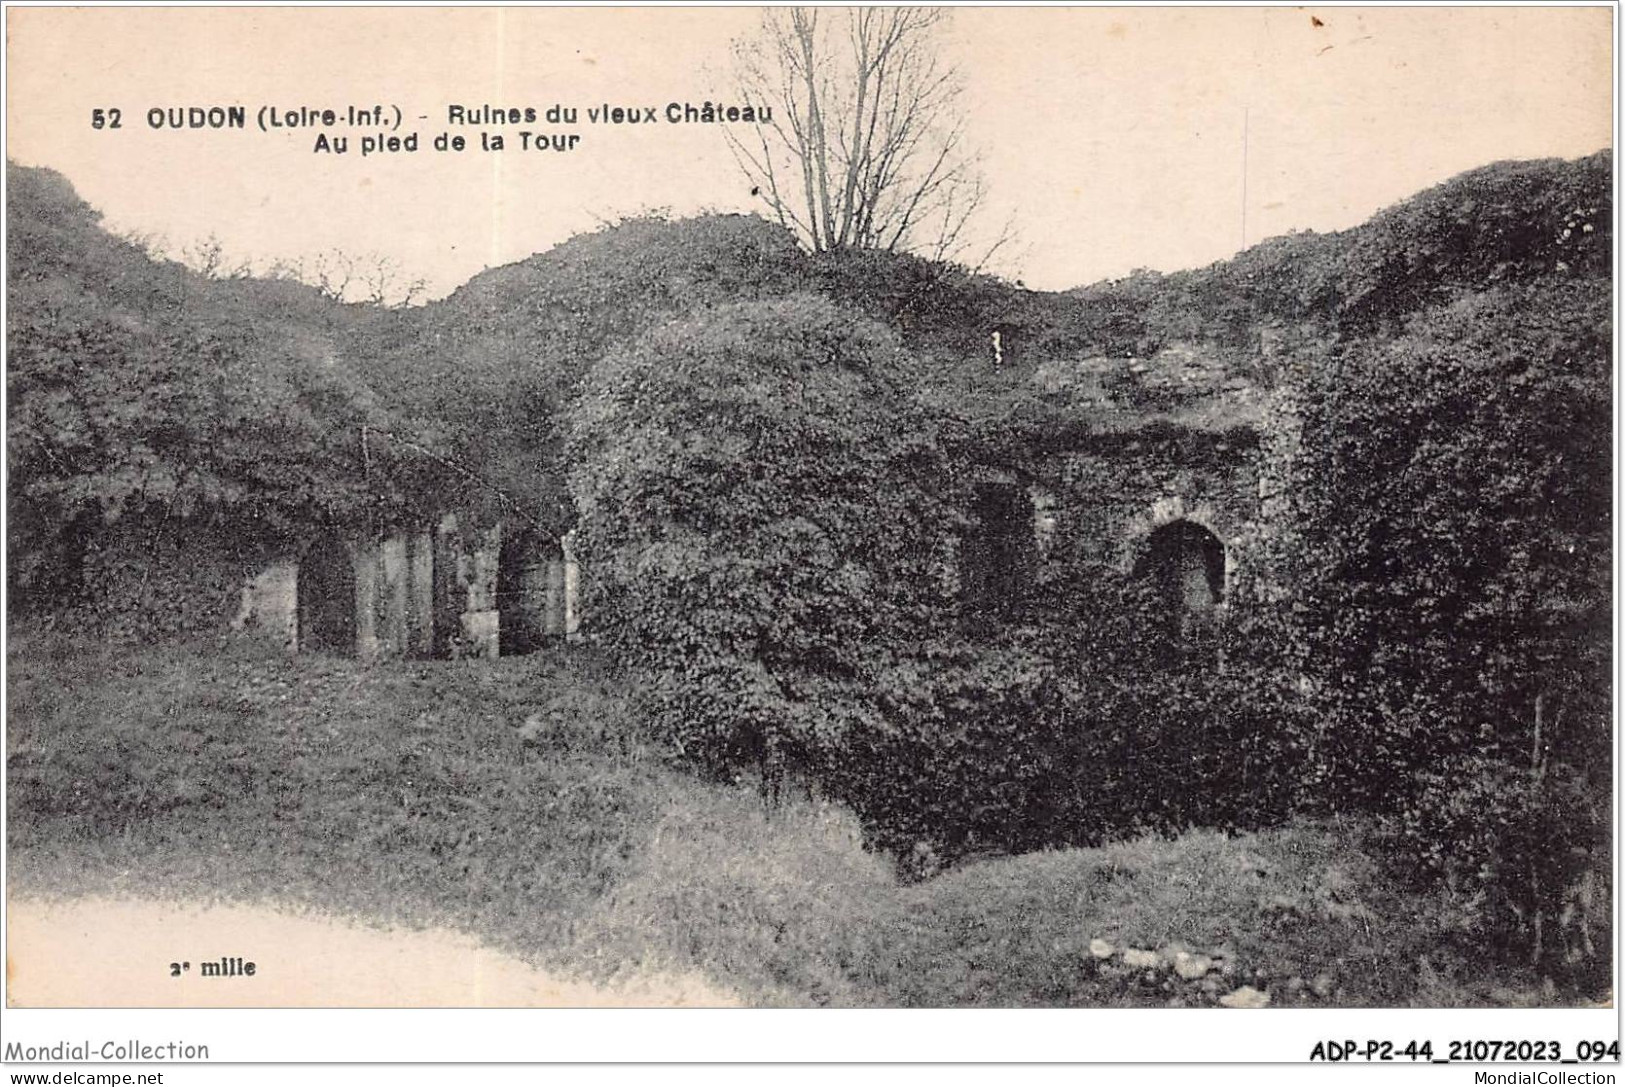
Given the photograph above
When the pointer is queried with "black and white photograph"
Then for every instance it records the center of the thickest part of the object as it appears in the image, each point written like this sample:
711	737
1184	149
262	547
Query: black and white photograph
812	508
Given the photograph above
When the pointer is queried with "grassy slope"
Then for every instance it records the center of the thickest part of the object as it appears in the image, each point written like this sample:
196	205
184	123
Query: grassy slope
409	792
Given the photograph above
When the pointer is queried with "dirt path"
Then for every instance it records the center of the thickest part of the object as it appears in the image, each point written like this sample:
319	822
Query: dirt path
119	953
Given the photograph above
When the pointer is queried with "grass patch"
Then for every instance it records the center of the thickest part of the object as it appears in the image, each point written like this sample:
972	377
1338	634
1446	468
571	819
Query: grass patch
1278	910
778	902
515	800
404	793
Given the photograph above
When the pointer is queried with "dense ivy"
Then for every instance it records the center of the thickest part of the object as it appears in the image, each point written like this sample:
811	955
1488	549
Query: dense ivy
1450	564
1449	496
762	515
770	459
769	529
147	402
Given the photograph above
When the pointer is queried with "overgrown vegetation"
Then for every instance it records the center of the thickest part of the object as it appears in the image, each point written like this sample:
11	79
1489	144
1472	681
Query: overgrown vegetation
726	470
517	800
769	458
1451	560
155	412
765	509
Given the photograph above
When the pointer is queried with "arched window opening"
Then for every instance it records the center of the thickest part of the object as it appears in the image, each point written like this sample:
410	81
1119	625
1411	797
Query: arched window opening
1183	564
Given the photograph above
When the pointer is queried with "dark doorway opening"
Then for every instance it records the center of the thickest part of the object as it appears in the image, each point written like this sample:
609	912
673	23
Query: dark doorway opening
1183	565
525	575
999	555
326	599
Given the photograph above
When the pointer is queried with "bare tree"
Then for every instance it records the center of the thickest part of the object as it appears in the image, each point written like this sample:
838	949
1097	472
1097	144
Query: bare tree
369	278
208	258
385	283
332	272
863	142
154	244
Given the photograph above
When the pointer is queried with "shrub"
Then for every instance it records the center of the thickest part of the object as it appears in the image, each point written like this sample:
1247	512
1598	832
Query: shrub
1198	723
1452	559
1041	741
1516	848
971	750
1218	745
762	507
143	578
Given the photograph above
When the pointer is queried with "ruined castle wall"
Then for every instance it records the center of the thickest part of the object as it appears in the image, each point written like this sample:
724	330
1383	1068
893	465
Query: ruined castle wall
1089	512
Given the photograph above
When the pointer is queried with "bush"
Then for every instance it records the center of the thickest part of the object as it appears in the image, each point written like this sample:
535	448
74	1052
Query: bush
1519	850
762	507
1035	743
1195	723
147	578
1218	745
1452	554
972	750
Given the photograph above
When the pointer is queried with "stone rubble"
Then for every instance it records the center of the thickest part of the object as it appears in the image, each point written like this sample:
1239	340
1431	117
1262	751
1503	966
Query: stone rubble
1192	967
1245	997
1141	959
1182	978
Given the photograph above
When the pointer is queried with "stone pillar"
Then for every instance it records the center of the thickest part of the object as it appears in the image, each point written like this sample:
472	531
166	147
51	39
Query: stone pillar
485	556
393	632
480	621
365	565
420	594
553	599
463	595
572	584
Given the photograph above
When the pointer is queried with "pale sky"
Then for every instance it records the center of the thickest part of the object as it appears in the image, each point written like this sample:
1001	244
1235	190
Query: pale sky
1117	137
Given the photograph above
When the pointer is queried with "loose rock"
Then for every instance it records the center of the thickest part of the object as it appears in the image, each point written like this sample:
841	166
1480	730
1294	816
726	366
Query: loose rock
1191	967
1137	957
534	728
1100	949
1282	904
1245	997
